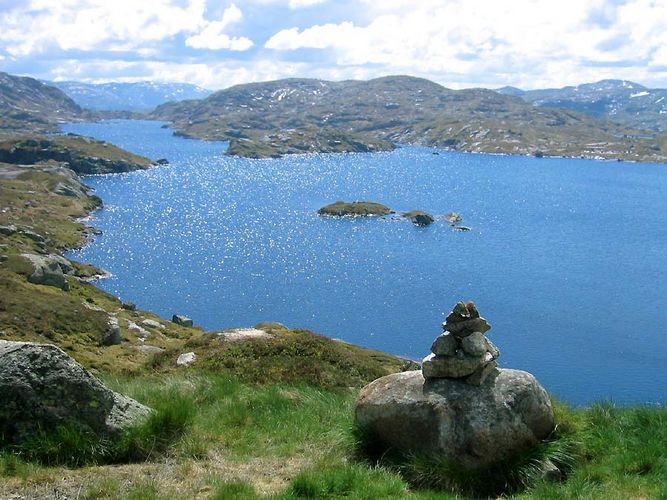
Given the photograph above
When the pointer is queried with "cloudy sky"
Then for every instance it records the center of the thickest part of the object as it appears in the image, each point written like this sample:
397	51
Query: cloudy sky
218	43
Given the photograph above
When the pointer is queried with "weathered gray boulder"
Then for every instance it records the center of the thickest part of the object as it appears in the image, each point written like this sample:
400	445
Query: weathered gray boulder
41	387
112	334
49	270
473	426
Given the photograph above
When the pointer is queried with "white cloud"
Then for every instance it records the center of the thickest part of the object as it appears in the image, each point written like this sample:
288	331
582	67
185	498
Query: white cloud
297	4
507	42
212	75
89	25
317	37
213	37
527	43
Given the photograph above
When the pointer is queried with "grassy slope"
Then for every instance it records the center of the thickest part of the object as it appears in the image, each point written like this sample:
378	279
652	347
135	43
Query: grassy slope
83	154
258	417
296	441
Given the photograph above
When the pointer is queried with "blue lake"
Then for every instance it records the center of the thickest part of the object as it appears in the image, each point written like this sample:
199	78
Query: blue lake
566	258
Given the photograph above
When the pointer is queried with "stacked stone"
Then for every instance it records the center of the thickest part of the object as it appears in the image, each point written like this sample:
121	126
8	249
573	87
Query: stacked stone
462	351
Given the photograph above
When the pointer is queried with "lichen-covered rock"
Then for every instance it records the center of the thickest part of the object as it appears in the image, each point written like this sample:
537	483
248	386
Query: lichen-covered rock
473	426
41	387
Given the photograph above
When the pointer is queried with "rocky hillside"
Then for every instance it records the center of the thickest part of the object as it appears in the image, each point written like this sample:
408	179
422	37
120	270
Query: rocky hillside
138	96
399	109
82	154
621	101
27	105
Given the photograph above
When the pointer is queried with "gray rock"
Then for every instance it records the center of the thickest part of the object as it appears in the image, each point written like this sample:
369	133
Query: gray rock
8	230
152	323
459	313
464	328
41	387
185	359
474	344
458	366
445	345
472	309
490	347
141	332
33	235
49	270
112	335
471	426
481	374
181	320
149	349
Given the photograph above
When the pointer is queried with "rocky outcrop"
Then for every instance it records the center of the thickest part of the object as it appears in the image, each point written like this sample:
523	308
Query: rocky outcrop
460	407
419	217
181	320
81	154
49	270
42	388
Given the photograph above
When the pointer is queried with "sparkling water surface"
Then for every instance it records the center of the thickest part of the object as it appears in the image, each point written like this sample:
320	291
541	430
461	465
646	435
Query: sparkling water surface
566	258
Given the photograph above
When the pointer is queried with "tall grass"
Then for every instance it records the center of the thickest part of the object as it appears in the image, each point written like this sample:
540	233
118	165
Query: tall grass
74	446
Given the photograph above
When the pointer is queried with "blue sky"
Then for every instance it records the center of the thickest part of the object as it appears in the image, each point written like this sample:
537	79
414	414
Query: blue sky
458	43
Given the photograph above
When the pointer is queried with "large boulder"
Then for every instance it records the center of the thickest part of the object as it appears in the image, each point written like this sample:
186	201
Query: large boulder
473	426
41	388
49	270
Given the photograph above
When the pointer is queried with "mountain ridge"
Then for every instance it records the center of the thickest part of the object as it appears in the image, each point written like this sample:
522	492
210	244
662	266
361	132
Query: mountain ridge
621	101
122	96
402	109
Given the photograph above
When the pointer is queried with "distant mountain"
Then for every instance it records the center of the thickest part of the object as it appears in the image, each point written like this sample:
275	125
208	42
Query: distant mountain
621	101
27	105
140	96
293	115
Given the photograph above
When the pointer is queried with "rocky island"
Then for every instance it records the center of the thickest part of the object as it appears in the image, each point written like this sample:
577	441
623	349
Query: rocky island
354	209
419	217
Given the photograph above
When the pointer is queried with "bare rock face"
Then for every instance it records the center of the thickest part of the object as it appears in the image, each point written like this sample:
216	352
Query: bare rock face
41	387
460	406
474	426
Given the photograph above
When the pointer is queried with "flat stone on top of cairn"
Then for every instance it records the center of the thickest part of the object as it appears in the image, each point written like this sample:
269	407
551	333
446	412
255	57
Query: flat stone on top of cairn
462	351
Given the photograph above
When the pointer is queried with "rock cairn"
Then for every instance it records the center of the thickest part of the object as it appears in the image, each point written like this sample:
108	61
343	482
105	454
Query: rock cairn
462	351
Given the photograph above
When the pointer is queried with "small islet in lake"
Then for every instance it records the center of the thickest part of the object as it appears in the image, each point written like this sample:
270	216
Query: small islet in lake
566	257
